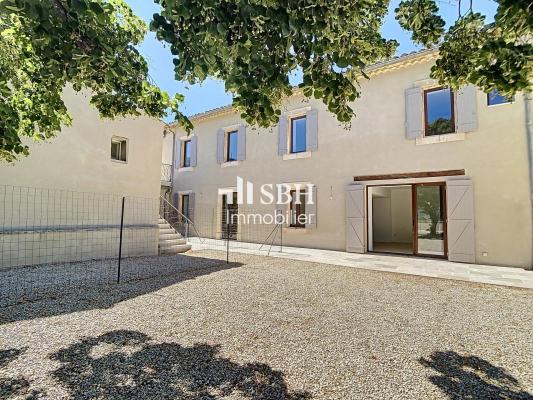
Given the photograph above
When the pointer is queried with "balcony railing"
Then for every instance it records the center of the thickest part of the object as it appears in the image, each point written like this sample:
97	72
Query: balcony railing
166	173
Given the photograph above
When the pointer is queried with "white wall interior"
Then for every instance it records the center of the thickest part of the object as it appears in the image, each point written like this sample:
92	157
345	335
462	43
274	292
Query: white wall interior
391	214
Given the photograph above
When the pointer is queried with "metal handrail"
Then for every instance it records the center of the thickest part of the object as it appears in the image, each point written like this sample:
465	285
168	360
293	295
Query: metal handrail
189	222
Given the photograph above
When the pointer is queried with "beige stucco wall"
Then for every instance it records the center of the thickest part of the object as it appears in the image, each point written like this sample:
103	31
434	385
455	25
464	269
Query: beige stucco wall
63	202
494	156
79	157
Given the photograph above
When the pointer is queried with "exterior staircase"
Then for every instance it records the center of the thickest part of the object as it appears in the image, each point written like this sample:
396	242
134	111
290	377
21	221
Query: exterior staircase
170	241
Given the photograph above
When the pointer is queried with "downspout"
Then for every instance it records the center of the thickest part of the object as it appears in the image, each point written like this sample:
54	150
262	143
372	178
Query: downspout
529	132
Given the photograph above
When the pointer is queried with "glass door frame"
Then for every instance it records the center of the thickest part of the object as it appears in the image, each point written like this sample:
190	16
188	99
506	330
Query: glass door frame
444	219
414	215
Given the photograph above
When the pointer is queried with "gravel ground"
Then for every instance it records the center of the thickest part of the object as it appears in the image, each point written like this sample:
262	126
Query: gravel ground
264	328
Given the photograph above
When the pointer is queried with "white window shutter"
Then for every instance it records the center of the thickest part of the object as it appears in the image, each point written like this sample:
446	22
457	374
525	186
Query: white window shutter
220	146
467	109
177	154
282	135
241	143
413	113
194	150
460	215
355	218
311	209
312	130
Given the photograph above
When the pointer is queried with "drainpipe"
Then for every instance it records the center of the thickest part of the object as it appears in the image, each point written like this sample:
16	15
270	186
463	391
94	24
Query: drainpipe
529	132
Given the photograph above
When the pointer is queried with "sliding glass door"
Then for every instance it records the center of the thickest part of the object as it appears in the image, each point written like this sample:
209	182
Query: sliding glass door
430	222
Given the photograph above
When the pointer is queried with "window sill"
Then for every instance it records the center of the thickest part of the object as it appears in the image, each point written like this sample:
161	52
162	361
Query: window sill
119	161
185	169
294	156
229	164
450	137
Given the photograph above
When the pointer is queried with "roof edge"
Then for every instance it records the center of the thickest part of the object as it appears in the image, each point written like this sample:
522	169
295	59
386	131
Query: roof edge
389	65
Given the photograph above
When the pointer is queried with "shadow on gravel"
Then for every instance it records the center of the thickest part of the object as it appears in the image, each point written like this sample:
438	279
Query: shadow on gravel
470	377
126	364
15	387
160	273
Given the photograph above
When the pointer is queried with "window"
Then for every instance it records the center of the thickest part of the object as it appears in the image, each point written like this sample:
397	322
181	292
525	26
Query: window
118	149
439	111
186	154
297	209
185	205
298	134
494	98
231	146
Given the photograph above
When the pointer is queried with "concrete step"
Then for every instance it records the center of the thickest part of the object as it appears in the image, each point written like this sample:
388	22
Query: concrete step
166	231
164	226
180	248
168	236
162	221
171	242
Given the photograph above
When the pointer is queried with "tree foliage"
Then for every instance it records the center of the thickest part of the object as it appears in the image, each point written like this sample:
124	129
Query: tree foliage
491	56
254	45
88	44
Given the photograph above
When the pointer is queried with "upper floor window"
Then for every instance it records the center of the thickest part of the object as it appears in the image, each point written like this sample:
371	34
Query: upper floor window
298	140
187	152
119	148
439	112
297	209
231	146
494	98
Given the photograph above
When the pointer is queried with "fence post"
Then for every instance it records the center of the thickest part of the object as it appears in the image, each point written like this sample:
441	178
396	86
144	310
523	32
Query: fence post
120	240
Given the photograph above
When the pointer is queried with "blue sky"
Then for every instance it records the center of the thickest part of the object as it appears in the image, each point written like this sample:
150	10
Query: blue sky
210	94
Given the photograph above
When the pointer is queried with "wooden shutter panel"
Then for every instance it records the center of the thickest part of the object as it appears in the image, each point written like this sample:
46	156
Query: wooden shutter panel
280	208
192	206
467	109
460	213
311	210
241	143
413	113
194	150
312	130
220	146
282	136
355	218
177	154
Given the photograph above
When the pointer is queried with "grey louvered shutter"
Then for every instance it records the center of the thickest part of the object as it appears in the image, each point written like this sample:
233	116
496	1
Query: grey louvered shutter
192	206
281	209
220	146
413	113
312	130
194	150
241	143
311	209
282	136
467	109
177	154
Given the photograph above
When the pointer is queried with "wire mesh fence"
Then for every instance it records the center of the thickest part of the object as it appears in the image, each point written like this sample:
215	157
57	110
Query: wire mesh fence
52	241
229	227
56	239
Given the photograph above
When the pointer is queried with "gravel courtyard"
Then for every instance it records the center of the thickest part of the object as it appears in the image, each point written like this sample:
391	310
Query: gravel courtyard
268	328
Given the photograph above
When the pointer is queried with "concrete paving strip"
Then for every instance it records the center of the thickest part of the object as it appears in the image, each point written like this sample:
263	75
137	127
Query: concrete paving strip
503	276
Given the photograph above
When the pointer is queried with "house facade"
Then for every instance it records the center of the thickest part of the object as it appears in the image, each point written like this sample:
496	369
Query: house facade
63	202
421	170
